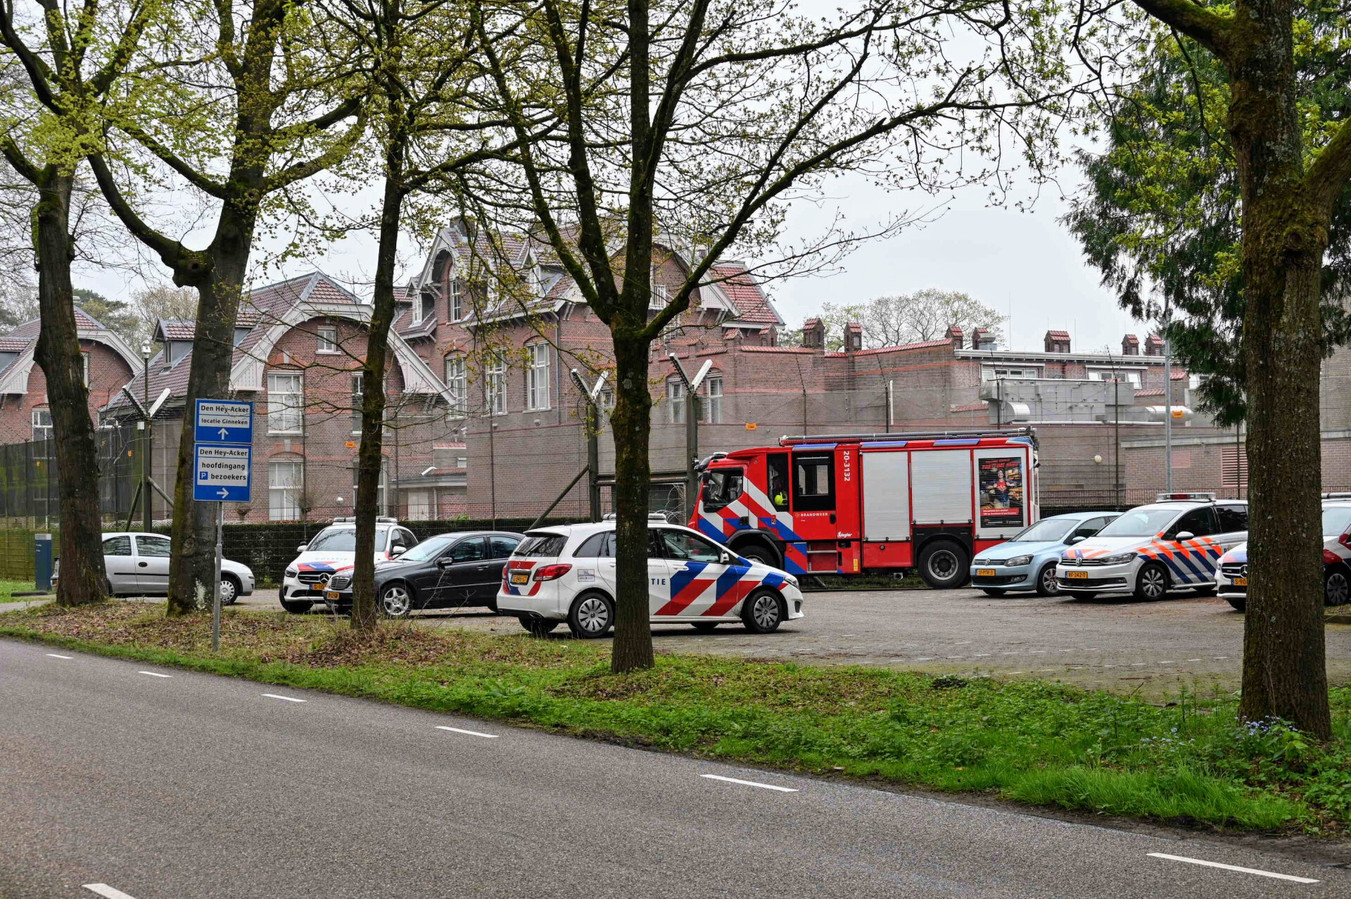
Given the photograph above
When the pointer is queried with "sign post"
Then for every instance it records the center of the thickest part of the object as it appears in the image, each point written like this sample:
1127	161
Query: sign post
222	473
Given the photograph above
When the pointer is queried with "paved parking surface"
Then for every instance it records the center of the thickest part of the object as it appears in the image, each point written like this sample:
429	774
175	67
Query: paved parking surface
1128	646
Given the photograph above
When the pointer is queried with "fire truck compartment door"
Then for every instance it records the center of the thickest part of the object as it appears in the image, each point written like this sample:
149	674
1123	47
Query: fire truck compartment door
886	496
942	486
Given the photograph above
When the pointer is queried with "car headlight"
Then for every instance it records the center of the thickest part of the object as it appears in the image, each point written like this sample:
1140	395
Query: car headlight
1018	560
292	572
1118	558
791	581
340	582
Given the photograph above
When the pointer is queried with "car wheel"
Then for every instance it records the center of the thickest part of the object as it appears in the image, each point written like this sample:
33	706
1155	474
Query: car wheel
296	606
1047	585
109	584
538	627
1336	589
492	605
704	627
943	564
1238	602
395	600
990	591
761	555
762	612
1152	582
1080	594
229	591
591	616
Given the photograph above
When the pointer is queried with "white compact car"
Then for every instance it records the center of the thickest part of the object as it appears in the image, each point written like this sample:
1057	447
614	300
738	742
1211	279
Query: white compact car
1150	550
567	574
332	550
1232	578
137	564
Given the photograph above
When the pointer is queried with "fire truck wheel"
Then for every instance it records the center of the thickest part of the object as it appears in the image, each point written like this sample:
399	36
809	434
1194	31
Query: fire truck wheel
762	612
1152	582
943	564
296	606
761	555
1047	585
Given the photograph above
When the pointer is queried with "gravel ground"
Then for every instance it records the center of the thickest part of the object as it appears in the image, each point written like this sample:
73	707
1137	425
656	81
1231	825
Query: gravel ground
1122	645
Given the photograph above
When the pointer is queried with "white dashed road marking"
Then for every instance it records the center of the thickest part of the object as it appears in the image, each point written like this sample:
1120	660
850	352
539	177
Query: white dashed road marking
106	891
154	674
55	656
749	783
287	698
472	733
1259	873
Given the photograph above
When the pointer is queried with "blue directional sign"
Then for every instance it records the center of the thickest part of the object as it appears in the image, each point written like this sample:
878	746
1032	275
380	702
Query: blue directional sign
223	421
223	474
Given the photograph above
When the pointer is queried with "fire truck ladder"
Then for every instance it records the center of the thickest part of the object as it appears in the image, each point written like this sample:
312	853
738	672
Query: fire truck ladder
1029	433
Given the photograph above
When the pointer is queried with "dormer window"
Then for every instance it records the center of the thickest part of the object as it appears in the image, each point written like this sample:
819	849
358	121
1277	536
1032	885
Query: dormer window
658	298
426	306
177	349
241	332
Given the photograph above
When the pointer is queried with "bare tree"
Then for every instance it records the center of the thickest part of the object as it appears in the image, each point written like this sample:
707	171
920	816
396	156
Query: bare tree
911	318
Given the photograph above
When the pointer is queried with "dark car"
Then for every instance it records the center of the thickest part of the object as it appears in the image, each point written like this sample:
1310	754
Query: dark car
445	571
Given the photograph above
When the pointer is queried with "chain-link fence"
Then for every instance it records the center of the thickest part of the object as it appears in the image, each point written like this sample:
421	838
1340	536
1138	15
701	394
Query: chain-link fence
29	488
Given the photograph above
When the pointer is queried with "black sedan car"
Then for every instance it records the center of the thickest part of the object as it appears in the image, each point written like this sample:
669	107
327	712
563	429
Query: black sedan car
445	571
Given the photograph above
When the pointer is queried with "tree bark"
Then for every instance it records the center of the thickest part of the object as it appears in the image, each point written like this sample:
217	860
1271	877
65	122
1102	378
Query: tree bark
630	425
83	578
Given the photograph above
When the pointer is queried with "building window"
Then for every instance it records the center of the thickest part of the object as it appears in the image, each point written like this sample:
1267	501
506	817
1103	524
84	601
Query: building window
1010	372
535	278
358	400
178	349
607	398
495	383
42	424
456	302
1125	375
457	385
240	333
675	397
659	296
285	402
537	377
285	484
419	505
328	339
712	405
84	369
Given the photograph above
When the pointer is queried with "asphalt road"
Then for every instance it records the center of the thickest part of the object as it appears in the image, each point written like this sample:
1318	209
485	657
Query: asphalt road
116	777
1123	645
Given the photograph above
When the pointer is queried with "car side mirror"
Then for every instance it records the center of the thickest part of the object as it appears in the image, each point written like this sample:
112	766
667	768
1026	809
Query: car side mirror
1184	535
724	558
1077	538
445	562
397	551
301	547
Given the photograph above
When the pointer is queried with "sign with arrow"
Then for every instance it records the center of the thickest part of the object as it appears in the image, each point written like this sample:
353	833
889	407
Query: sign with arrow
223	421
223	474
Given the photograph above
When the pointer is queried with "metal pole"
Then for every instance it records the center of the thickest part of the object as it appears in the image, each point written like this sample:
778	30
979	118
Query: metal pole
891	404
215	586
691	451
1116	445
1167	411
147	446
593	458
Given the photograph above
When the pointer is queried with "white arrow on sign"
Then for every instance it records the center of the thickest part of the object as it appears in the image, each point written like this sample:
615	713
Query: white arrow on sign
224	433
224	493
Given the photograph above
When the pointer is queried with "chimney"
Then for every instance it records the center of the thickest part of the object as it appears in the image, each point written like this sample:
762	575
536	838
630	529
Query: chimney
982	339
853	337
954	334
1057	342
813	334
1153	345
1130	345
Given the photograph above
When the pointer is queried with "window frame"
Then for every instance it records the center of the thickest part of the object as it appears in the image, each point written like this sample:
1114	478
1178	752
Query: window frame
49	428
290	494
537	374
278	418
454	300
457	386
710	412
107	540
675	398
816	501
495	384
992	373
326	340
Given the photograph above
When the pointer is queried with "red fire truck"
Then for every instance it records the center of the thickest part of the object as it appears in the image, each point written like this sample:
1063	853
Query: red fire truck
849	504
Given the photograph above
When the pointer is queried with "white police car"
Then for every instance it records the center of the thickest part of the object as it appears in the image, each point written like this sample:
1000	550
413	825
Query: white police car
1173	543
332	550
1232	577
567	574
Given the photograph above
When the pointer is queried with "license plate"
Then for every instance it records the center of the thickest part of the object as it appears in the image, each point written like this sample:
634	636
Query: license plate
985	572
316	589
520	577
1076	575
1240	582
332	594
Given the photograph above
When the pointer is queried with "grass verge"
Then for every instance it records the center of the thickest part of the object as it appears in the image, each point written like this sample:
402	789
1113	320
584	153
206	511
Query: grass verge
1186	761
7	589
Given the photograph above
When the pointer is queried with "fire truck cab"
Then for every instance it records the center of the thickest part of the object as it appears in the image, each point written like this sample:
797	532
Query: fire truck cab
853	504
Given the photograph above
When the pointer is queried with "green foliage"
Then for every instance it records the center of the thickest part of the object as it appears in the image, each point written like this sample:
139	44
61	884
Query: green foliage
1162	217
1046	744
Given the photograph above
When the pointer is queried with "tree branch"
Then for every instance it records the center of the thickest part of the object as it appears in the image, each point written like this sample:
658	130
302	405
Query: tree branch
1330	172
1208	29
171	159
171	252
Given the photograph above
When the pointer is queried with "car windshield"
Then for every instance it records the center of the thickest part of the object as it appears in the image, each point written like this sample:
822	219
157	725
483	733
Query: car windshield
1335	520
1049	531
343	540
1142	522
428	549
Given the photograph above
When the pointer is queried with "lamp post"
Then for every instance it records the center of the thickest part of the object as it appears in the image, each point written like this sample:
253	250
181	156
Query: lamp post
147	440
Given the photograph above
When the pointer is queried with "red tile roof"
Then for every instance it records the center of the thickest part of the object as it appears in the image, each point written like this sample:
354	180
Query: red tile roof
741	288
1058	335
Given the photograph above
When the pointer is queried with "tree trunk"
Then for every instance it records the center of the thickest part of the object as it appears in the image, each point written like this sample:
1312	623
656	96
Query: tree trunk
369	456
631	424
192	564
83	579
1285	234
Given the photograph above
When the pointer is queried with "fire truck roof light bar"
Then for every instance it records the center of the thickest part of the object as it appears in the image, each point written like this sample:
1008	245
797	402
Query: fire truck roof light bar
897	436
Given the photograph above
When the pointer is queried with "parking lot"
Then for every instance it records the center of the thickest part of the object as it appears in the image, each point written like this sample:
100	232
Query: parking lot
1123	645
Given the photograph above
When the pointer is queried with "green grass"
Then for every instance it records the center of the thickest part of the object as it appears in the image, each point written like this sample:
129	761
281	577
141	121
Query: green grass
1025	740
7	589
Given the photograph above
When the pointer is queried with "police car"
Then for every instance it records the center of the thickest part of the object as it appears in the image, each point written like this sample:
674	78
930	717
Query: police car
332	550
1232	578
567	574
1173	543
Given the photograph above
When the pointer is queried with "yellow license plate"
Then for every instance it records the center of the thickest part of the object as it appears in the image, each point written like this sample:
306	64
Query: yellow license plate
1076	575
332	594
1240	582
985	572
520	577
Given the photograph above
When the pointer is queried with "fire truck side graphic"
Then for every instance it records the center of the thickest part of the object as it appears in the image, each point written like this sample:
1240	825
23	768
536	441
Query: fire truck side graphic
853	504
